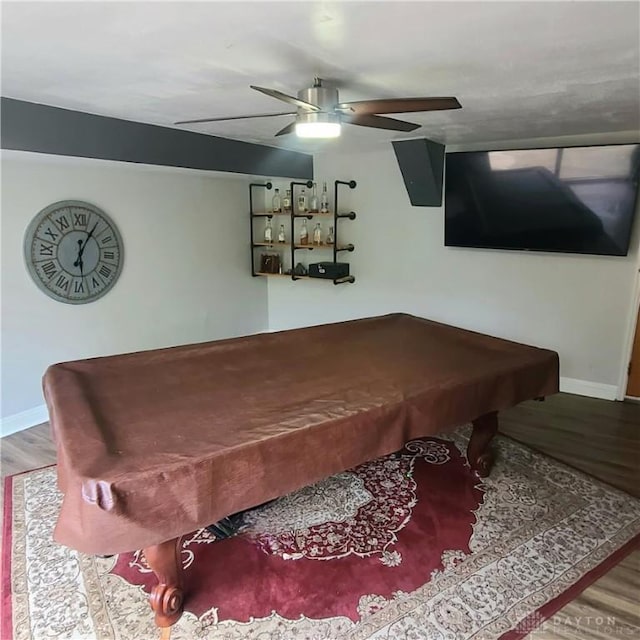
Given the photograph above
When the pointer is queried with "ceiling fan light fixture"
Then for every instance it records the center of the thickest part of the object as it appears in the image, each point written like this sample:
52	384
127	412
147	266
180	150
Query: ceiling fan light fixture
317	125
318	129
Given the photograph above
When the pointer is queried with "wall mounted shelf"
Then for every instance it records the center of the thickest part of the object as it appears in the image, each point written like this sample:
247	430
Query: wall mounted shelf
293	247
284	245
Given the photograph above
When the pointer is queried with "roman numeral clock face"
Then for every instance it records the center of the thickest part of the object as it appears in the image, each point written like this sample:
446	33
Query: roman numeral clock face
73	251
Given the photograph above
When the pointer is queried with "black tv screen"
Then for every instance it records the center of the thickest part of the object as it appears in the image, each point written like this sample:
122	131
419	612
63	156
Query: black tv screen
571	199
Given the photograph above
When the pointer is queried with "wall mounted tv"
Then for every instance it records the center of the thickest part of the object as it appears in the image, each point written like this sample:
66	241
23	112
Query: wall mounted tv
571	199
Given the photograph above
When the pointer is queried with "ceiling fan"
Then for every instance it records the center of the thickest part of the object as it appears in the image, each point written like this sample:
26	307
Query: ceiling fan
320	113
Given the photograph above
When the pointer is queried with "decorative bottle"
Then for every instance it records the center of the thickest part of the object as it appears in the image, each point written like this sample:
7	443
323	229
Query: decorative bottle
268	231
286	202
281	235
276	204
324	199
317	234
313	201
304	232
330	236
302	201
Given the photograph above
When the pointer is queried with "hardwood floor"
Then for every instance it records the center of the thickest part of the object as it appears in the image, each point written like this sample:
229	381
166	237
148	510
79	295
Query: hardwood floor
599	437
26	450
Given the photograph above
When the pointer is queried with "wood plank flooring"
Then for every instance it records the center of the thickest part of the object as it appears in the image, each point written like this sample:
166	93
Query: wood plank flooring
599	437
26	450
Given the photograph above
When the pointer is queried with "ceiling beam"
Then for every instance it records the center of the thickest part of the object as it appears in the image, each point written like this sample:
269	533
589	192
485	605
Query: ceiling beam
27	126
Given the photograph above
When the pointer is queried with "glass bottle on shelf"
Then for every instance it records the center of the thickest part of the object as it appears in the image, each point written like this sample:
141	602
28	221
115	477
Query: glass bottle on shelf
304	232
313	201
268	231
330	236
324	199
302	201
281	235
286	202
317	234
276	204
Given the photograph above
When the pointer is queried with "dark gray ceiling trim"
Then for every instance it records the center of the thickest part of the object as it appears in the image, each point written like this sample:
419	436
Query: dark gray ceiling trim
27	126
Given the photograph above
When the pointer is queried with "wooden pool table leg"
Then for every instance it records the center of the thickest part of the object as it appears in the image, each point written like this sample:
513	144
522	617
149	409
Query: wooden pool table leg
479	453
166	597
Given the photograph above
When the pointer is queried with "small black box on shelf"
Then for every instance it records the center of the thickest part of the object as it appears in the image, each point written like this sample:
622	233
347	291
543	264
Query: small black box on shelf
329	270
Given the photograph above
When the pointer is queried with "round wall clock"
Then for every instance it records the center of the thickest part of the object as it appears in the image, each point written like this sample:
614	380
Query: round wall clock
73	251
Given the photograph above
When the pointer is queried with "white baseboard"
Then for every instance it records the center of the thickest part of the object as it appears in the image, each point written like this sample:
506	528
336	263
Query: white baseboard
38	415
587	388
23	420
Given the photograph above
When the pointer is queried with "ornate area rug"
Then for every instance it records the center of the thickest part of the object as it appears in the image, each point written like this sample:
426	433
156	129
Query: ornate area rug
412	545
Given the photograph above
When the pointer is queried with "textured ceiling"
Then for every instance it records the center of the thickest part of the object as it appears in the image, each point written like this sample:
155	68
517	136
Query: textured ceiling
520	70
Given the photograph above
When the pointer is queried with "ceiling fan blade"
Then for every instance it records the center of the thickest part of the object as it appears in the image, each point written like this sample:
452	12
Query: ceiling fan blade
285	98
400	105
378	122
257	115
285	130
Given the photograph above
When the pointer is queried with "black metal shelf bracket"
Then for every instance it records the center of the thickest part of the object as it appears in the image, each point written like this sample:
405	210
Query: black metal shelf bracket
294	215
339	216
252	215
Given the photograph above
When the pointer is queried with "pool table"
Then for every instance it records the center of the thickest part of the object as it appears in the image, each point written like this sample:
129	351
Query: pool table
155	444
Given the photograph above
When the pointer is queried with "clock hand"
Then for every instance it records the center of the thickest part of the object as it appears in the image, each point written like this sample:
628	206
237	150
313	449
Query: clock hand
87	238
81	247
78	261
79	256
91	232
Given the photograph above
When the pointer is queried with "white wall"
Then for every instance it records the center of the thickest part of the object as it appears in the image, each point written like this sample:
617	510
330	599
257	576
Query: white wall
186	275
577	305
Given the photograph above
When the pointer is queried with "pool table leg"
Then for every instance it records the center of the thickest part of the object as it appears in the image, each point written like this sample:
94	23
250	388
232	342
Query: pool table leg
166	597
479	453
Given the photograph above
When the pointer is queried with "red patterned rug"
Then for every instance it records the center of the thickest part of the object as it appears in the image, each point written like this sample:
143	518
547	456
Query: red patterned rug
412	545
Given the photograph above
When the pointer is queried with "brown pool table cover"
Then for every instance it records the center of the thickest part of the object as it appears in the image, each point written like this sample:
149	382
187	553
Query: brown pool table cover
155	444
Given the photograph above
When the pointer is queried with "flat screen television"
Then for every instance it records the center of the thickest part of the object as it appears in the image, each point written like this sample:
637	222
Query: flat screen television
570	200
